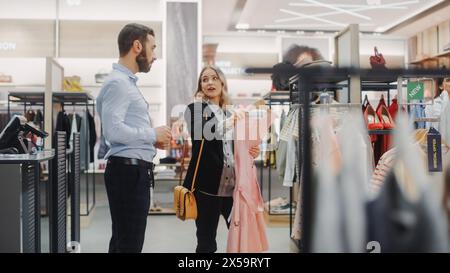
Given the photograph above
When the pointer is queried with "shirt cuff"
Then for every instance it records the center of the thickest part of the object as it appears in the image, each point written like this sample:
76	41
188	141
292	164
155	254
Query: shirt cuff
150	135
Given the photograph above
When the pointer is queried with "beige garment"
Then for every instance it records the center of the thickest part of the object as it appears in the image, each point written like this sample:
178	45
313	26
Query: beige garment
296	230
386	162
336	161
382	170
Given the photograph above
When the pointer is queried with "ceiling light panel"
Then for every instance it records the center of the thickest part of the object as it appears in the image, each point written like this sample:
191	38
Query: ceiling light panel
371	15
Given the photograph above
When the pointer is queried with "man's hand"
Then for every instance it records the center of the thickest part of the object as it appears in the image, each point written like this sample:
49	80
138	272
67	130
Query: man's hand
254	151
162	146
163	136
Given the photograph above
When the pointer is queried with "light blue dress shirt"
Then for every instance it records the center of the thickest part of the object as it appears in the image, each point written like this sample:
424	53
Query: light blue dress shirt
124	115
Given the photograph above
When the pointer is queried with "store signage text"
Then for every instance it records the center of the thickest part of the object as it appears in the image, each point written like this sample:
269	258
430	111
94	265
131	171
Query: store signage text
7	46
227	68
415	91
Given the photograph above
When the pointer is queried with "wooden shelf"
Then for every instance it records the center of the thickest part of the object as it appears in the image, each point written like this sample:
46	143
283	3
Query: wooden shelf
443	55
431	58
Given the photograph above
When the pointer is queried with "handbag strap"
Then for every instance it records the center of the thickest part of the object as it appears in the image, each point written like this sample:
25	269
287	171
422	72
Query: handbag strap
366	101
183	157
376	51
196	165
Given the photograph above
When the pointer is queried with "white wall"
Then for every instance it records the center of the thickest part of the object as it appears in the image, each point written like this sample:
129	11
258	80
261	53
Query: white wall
24	71
139	10
87	68
239	44
248	87
243	44
394	51
395	47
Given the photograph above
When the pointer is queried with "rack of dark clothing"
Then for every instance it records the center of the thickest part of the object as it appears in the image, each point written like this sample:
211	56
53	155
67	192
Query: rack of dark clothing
309	79
88	137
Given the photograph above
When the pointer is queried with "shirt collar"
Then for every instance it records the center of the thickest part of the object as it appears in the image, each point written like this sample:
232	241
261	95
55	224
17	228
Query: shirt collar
126	71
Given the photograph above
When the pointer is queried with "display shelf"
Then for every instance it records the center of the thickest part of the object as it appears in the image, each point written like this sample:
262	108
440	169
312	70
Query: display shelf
138	85
277	96
380	132
431	58
38	97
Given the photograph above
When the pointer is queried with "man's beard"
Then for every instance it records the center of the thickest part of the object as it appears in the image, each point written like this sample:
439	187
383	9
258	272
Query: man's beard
143	63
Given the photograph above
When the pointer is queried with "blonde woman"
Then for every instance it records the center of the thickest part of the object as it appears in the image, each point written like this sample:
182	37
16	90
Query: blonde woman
208	119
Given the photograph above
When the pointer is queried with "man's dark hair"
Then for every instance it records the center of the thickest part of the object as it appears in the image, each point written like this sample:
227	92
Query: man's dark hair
131	33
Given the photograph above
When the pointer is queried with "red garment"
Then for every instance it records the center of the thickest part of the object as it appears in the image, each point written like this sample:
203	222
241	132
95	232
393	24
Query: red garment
383	143
247	227
393	109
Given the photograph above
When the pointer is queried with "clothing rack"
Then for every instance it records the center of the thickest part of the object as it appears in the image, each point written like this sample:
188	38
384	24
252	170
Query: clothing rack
306	82
75	99
276	98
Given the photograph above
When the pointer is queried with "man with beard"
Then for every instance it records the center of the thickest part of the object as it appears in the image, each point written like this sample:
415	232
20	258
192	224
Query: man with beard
127	129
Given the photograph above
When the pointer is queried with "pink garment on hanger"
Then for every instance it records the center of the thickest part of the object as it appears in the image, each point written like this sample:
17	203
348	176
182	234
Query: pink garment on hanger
247	233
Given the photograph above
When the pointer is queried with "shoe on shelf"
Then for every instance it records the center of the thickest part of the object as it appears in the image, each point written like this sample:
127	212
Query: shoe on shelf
372	119
277	202
284	209
385	117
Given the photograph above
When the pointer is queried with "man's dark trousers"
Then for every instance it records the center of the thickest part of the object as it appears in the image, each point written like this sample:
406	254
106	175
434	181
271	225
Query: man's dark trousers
128	189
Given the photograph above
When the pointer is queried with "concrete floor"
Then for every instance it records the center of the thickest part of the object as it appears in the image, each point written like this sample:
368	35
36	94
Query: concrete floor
165	233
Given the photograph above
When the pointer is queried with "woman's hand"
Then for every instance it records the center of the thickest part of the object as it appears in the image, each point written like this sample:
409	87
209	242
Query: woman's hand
237	115
254	151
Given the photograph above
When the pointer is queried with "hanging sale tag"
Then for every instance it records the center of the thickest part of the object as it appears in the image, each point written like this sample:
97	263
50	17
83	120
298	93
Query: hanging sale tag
434	151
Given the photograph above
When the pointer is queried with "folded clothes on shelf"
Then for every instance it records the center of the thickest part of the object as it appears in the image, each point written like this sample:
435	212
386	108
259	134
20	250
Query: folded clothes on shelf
279	206
280	201
285	209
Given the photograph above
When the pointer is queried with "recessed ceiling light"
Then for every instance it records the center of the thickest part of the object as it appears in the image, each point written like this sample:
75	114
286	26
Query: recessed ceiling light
242	26
319	33
379	29
73	2
261	31
301	32
373	2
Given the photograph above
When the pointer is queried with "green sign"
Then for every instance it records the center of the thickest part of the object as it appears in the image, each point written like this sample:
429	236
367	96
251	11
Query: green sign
415	91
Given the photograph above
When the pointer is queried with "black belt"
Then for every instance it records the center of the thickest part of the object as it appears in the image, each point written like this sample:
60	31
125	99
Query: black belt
115	160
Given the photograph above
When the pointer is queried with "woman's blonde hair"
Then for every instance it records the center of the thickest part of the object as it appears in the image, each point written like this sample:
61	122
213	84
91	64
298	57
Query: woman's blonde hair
224	98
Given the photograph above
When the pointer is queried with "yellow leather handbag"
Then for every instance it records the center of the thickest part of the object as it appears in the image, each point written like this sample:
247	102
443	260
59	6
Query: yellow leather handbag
184	201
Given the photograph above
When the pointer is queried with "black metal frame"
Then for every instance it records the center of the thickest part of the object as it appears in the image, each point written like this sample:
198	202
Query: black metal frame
58	197
31	205
65	99
308	80
74	189
280	98
276	98
31	209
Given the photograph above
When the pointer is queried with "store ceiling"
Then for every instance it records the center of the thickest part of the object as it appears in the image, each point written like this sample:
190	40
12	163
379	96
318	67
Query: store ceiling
385	16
